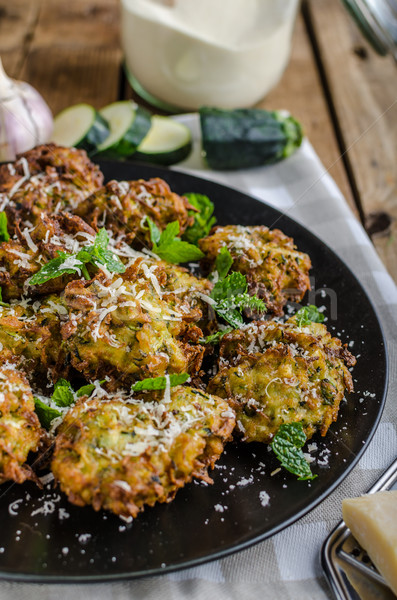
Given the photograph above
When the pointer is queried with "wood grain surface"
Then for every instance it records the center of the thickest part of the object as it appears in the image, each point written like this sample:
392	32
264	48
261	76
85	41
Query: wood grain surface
342	92
362	89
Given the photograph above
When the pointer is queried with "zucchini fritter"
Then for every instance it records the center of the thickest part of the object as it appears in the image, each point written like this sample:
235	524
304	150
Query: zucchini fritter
122	206
47	178
20	430
126	452
24	255
141	324
276	271
274	373
30	337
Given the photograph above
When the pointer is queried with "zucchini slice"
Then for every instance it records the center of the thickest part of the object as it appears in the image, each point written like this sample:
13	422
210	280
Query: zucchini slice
129	124
168	142
80	126
247	137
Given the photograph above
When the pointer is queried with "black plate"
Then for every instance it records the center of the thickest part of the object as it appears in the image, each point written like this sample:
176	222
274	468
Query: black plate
207	522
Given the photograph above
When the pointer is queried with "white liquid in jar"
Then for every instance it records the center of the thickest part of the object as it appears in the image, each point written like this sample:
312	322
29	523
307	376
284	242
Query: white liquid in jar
226	53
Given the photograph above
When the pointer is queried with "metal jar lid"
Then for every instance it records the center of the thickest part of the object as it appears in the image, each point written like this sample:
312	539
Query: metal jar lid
377	20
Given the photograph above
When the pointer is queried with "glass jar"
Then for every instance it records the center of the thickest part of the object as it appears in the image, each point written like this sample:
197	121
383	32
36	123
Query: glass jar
182	54
377	20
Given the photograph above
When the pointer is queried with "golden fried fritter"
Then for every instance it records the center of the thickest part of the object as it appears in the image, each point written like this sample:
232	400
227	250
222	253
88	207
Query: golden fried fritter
140	324
125	452
20	430
275	270
23	255
122	206
48	178
274	373
30	337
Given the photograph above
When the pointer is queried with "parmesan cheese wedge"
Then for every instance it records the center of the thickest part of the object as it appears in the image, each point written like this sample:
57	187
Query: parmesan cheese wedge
372	519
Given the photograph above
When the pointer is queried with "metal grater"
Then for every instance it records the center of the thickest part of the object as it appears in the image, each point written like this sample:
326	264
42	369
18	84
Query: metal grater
348	568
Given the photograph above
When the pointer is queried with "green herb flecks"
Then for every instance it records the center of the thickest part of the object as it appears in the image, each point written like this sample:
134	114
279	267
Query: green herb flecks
307	315
4	235
67	264
159	383
169	247
203	220
287	444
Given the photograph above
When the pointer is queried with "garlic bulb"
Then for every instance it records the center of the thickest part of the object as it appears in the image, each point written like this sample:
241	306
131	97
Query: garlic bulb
25	119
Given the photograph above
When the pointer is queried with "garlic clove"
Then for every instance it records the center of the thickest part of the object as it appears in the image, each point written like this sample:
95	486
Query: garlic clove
25	118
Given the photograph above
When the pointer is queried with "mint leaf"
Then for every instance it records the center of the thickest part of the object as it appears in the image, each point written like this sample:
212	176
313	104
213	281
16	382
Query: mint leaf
293	433
101	241
45	413
171	248
154	231
169	234
223	262
86	390
4	235
287	444
159	383
203	220
63	265
215	338
307	315
229	287
178	252
97	254
63	394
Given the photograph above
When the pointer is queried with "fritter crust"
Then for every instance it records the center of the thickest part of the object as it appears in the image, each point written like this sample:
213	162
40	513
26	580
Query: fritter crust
47	178
141	324
122	206
20	430
24	255
30	337
274	373
276	271
124	452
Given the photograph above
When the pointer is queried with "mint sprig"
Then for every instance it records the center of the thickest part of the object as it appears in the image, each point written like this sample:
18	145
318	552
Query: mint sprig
66	264
307	315
62	396
231	297
4	235
159	383
203	219
169	247
287	444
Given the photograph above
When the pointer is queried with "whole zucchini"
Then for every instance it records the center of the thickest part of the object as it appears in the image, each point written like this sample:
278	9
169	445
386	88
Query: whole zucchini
247	137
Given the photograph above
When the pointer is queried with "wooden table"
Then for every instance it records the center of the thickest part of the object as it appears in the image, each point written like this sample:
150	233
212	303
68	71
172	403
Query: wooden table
342	92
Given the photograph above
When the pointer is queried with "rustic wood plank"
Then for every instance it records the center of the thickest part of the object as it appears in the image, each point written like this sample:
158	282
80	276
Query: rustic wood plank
75	54
70	76
363	88
17	22
300	92
84	23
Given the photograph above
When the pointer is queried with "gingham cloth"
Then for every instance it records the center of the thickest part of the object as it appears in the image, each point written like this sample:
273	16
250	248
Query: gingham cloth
287	566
